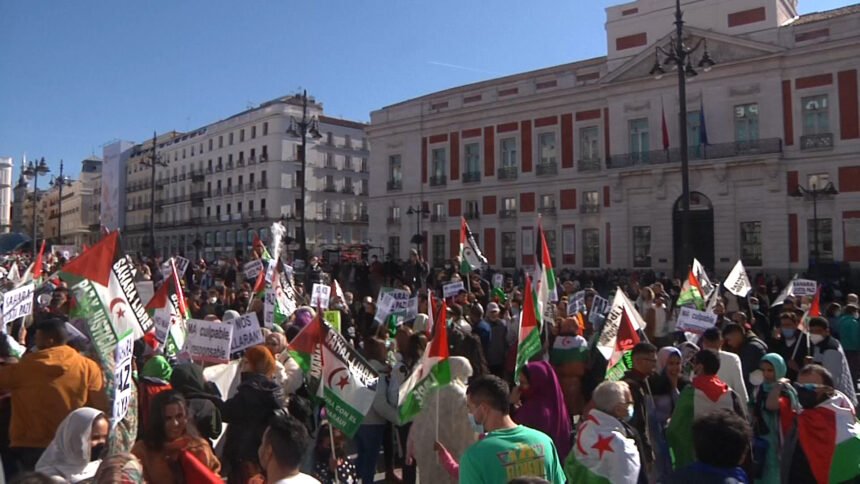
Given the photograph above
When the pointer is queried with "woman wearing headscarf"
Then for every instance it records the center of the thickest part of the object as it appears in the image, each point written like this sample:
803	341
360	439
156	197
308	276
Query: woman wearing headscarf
248	413
75	453
203	398
154	379
168	439
766	417
542	404
288	374
455	433
666	386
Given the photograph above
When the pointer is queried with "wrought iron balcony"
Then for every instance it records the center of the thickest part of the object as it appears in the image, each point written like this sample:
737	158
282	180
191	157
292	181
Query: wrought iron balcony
820	141
592	164
507	213
507	173
393	220
471	215
394	185
547	168
471	177
437	217
438	181
330	189
699	152
547	210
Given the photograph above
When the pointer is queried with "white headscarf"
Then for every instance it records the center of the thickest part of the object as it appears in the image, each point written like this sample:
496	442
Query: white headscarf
68	455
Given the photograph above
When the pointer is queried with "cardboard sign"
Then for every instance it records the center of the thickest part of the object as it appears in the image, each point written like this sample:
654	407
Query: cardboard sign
246	332
804	287
399	303
576	304
18	303
320	296
333	318
253	269
122	377
498	280
161	321
694	321
599	308
452	289
209	341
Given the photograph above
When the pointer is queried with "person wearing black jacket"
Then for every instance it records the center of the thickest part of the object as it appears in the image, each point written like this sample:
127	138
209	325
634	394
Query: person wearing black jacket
791	343
644	366
203	398
749	348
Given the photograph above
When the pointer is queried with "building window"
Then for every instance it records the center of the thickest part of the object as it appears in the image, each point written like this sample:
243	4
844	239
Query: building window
394	246
439	250
438	157
221	141
816	118
639	139
508	149
472	152
589	144
329	138
263	205
546	142
825	239
253	132
241	135
509	207
642	246
231	139
746	122
509	249
472	211
329	183
590	248
818	180
265	128
590	201
347	162
210	144
438	211
751	243
365	187
394	214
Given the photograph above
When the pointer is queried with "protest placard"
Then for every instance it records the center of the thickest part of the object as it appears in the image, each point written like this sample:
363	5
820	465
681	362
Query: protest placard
246	332
577	303
122	377
18	303
161	322
320	296
209	341
452	289
693	321
804	287
412	309
333	318
599	308
181	265
253	269
498	280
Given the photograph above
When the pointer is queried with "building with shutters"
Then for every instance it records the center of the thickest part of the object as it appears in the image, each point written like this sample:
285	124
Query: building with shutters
581	144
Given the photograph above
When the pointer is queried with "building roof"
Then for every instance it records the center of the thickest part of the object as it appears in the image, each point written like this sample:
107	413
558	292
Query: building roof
827	14
342	122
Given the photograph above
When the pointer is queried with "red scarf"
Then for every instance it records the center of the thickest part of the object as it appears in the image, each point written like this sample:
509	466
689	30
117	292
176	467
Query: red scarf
711	386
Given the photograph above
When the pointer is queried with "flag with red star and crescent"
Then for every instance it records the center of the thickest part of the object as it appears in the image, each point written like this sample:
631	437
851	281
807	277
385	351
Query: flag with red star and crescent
602	453
432	370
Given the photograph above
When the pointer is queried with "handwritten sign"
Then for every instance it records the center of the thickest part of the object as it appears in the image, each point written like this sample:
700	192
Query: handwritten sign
320	296
804	287
333	318
599	308
253	269
246	332
693	321
18	303
576	304
122	377
498	280
452	289
209	341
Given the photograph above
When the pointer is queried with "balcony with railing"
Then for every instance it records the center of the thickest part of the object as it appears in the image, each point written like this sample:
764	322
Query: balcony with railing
471	177
820	141
347	190
438	181
549	210
507	173
330	189
546	168
394	185
509	213
393	220
437	217
262	184
471	215
701	152
588	164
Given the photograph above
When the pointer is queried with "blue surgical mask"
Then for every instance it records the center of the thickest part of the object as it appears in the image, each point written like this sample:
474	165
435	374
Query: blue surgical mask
476	427
788	333
629	412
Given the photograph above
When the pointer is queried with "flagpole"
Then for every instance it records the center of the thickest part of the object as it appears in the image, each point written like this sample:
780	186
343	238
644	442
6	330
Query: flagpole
333	451
437	415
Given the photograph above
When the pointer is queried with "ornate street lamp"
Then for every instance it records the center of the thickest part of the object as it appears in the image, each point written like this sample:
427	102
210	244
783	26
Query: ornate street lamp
35	170
60	182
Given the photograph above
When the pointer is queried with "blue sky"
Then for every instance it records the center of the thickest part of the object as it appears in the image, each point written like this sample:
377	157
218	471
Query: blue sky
78	74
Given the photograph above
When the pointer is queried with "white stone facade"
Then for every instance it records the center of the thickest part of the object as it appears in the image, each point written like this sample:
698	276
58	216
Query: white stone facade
582	143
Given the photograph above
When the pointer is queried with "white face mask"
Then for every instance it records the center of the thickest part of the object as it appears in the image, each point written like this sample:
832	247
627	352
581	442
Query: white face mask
816	338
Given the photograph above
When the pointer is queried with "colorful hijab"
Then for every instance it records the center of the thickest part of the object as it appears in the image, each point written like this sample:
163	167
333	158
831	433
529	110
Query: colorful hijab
157	367
261	360
68	455
663	357
543	406
119	469
779	369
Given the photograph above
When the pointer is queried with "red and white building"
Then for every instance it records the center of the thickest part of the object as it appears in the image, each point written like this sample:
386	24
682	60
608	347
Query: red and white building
582	144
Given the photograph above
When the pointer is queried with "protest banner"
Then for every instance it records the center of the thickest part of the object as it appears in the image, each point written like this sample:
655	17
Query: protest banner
246	332
333	319
209	341
599	308
452	289
252	269
399	306
18	303
498	280
320	296
737	282
694	321
122	377
804	287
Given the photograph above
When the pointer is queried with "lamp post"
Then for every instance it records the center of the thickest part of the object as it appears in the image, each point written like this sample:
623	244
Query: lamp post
419	212
154	160
35	170
60	182
302	128
679	54
814	193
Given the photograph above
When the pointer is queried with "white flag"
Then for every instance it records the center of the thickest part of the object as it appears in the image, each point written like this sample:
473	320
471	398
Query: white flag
788	291
738	283
702	276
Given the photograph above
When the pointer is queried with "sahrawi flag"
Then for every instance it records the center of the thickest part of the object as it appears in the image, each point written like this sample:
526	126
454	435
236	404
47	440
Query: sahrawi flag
168	312
101	272
544	276
528	342
691	293
830	437
345	381
738	283
432	371
471	258
603	453
705	284
278	301
619	335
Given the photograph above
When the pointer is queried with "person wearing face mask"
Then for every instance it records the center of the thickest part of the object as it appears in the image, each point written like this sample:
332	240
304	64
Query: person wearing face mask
508	450
827	352
772	402
760	323
606	447
281	449
541	404
791	343
823	443
666	386
706	394
78	446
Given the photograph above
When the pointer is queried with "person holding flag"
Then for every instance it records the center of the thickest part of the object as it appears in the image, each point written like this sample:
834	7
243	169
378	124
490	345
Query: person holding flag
827	352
